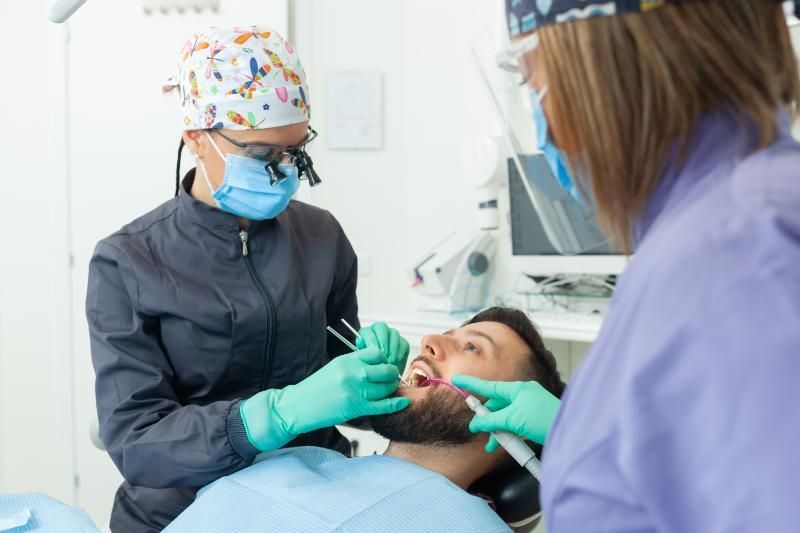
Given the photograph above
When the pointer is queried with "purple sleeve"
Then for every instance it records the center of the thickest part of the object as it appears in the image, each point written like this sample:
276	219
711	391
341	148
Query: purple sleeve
713	442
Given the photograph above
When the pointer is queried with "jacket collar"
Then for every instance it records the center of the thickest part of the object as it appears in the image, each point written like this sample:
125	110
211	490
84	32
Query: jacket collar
204	214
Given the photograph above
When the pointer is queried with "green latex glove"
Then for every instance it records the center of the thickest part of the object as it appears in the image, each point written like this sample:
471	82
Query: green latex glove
387	340
524	408
351	386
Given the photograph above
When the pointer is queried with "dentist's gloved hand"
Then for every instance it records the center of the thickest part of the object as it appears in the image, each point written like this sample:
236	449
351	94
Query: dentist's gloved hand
351	386
386	339
524	408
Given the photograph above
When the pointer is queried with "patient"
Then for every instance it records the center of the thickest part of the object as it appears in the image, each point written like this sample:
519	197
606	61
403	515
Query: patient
421	482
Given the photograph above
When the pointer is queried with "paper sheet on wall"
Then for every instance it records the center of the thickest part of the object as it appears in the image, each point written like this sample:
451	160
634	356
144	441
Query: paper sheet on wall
355	110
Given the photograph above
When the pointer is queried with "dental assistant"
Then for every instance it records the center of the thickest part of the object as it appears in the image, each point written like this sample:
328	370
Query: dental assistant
207	315
676	117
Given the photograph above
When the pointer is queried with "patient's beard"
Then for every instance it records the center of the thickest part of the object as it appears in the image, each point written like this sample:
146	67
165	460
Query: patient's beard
440	418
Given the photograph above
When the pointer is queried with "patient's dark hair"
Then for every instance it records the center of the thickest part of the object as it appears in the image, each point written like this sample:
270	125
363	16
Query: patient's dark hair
542	364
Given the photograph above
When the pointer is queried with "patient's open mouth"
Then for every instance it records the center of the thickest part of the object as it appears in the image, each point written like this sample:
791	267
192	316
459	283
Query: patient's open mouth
417	377
418	373
421	375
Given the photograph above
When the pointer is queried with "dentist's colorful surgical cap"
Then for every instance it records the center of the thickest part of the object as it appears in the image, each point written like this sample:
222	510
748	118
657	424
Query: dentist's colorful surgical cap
525	16
239	78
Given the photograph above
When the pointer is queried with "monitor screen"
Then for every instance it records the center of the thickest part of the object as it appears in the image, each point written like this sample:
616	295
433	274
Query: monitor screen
528	237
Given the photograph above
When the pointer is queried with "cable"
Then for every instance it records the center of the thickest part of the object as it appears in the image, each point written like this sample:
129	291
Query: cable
178	168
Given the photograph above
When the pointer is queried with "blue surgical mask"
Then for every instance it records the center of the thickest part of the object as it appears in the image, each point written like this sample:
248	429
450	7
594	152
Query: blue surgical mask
246	189
555	158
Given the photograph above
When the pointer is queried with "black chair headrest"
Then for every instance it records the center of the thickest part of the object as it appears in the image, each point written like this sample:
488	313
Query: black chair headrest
514	491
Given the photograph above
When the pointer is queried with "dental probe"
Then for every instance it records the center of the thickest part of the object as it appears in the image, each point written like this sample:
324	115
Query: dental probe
353	346
341	338
512	444
351	328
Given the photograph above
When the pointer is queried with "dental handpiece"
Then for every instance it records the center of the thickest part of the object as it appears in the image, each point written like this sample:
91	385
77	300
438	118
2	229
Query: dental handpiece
512	444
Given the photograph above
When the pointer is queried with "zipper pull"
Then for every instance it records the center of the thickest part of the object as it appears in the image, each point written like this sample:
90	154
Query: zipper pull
243	238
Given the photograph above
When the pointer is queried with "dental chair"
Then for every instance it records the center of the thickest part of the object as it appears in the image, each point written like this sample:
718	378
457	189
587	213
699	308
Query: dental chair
515	494
94	433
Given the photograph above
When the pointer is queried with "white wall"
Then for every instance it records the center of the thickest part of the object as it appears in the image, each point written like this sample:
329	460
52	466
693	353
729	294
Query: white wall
398	202
36	451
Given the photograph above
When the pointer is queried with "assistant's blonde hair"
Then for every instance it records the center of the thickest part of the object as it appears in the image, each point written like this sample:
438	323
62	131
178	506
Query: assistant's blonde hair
625	89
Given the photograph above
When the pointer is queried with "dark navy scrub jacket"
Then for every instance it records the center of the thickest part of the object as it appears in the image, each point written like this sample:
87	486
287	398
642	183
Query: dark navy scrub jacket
188	317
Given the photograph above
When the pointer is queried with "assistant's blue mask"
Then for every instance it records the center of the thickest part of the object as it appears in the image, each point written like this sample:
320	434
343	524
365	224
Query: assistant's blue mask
246	189
555	158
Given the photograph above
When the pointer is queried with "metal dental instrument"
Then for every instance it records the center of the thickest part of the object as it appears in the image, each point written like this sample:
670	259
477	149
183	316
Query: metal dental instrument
353	346
341	338
358	336
351	328
515	447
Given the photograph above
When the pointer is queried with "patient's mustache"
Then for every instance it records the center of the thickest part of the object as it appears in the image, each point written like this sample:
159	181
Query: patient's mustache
428	361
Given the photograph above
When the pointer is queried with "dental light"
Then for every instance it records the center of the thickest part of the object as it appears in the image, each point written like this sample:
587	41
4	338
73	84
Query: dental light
60	10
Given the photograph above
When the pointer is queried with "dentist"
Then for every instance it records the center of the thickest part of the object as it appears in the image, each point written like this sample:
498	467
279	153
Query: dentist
672	119
207	315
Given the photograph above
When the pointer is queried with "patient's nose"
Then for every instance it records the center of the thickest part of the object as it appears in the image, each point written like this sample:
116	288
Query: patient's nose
436	346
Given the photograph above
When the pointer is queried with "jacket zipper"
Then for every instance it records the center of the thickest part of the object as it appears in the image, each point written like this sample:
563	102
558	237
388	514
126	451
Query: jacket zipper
269	343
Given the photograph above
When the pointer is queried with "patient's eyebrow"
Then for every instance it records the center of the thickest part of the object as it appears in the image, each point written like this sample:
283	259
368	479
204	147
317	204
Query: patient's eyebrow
479	333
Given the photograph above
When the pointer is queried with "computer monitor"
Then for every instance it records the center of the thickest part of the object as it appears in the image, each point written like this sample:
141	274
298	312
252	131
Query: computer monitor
532	252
